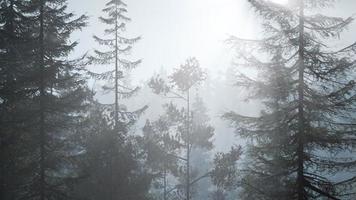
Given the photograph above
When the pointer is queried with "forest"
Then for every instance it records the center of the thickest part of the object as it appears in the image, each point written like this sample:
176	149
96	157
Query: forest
177	100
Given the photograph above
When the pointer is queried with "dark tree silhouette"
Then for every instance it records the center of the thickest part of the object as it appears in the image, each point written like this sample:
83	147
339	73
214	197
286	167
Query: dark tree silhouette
47	96
305	134
61	97
16	83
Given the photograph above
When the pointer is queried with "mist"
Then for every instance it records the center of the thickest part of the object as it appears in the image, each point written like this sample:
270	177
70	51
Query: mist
177	100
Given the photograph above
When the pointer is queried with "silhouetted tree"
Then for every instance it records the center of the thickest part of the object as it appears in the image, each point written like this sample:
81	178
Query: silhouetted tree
304	135
45	92
60	94
16	83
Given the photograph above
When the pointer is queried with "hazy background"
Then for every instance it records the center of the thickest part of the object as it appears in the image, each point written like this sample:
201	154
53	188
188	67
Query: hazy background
173	30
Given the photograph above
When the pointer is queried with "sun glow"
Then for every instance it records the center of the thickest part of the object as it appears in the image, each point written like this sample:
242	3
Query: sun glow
280	1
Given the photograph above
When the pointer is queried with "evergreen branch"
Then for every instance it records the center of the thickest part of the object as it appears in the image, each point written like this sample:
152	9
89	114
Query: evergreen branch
108	42
328	26
129	64
319	191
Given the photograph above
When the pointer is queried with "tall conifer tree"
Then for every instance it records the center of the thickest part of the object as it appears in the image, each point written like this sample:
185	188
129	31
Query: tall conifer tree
60	98
113	57
16	57
115	48
302	143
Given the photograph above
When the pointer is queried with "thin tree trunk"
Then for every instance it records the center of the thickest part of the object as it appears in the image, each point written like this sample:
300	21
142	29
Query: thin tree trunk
42	106
188	146
116	109
165	183
301	118
116	75
165	174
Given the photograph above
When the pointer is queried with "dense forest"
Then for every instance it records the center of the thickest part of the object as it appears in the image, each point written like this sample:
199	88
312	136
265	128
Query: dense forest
78	124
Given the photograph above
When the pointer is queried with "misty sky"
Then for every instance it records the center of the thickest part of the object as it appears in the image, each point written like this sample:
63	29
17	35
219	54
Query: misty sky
173	30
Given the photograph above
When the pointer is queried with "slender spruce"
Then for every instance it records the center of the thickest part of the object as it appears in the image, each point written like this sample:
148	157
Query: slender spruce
116	48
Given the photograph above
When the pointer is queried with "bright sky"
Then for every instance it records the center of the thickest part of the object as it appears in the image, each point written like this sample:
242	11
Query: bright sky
174	30
280	1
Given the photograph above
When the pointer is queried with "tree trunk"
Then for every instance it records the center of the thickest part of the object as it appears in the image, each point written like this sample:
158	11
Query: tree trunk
116	75
301	119
42	106
188	146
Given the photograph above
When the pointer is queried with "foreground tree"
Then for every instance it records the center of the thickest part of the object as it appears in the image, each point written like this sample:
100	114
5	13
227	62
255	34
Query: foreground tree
16	68
60	96
45	94
302	143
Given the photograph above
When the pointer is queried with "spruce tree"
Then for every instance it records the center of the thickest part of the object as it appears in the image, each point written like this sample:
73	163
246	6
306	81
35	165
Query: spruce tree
60	95
115	48
302	143
16	42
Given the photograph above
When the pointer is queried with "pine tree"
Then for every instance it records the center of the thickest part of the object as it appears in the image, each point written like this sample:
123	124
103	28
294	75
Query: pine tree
115	48
190	132
165	142
302	143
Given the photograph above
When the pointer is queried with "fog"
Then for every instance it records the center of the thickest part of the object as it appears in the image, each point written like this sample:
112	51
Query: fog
173	31
177	100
